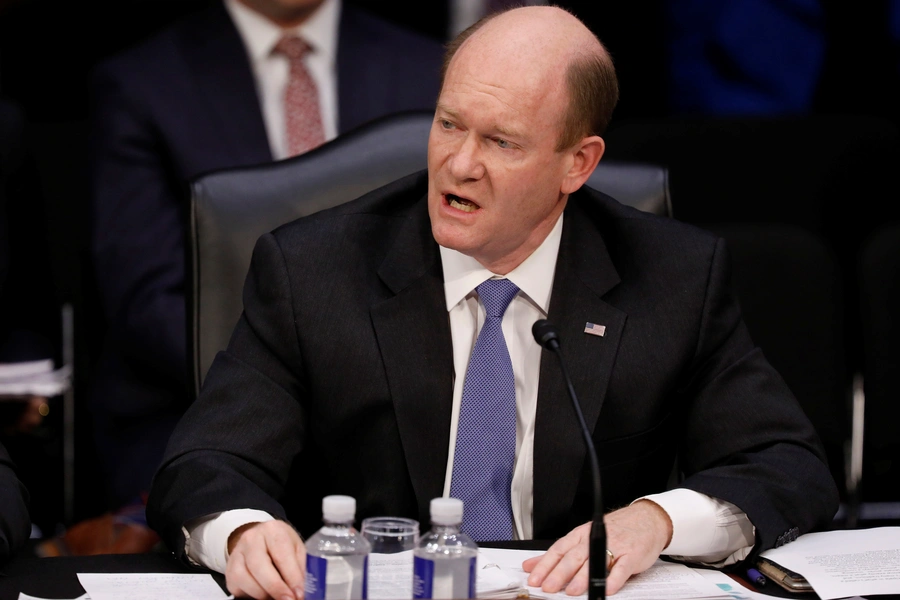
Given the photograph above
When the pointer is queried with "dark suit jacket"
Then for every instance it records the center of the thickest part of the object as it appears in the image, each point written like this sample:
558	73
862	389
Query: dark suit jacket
15	524
181	104
338	378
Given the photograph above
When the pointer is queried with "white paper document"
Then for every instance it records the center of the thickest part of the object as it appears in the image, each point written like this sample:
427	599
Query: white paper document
150	586
662	581
27	597
665	580
733	589
838	564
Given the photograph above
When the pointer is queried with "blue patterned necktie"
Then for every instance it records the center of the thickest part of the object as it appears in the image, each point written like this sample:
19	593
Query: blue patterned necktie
486	433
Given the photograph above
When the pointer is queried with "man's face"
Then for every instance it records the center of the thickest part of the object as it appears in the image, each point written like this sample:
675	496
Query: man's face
494	187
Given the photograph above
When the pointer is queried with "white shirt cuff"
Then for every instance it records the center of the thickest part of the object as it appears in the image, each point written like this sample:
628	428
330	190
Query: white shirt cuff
206	538
705	529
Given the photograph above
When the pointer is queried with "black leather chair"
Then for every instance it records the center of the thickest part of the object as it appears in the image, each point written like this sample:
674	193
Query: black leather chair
790	287
793	197
230	209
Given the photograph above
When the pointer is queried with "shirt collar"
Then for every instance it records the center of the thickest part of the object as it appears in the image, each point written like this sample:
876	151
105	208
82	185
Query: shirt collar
260	34
534	277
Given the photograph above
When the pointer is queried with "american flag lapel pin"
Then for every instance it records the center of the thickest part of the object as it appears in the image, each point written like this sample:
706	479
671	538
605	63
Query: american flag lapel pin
594	329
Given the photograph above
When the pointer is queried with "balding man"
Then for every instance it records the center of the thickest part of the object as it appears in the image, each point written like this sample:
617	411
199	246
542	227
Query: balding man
385	352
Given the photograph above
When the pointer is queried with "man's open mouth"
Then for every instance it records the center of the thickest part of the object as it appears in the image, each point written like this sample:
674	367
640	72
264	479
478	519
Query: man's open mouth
461	203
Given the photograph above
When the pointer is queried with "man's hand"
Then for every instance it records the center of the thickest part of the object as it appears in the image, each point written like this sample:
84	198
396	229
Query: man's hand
266	560
636	535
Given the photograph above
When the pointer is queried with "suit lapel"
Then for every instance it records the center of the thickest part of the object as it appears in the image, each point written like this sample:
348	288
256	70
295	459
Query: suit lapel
584	273
218	60
417	353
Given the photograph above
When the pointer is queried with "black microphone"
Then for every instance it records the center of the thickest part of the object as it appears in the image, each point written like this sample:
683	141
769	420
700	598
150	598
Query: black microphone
546	335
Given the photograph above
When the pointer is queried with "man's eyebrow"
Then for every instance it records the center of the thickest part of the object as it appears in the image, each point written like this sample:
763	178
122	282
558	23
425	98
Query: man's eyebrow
448	111
498	129
507	133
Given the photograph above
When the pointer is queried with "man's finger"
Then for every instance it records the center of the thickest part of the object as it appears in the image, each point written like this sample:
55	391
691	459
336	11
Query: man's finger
289	556
529	564
579	583
567	567
240	582
262	568
619	574
541	566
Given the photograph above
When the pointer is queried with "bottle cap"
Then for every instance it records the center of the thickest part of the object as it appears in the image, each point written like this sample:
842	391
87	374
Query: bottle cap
338	509
446	511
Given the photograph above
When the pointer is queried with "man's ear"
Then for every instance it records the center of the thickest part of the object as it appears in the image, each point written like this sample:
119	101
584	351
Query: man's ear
585	156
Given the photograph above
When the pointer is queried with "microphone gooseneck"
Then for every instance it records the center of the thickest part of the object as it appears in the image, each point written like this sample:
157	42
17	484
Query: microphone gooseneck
546	335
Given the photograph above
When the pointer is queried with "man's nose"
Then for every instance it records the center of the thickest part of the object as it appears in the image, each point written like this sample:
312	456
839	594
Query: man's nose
466	161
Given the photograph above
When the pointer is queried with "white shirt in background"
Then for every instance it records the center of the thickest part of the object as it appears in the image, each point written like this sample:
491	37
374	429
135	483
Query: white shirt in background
270	70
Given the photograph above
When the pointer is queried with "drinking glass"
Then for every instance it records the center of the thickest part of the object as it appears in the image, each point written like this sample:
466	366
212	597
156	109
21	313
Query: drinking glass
389	535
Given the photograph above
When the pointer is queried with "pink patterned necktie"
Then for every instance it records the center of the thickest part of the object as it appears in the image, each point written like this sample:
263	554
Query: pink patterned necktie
302	118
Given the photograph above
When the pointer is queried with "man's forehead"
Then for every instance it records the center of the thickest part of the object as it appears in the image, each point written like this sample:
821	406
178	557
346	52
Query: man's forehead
520	61
532	32
514	70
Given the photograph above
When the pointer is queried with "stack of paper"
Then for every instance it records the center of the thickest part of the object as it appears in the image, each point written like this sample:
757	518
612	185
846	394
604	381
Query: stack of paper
663	580
33	378
842	563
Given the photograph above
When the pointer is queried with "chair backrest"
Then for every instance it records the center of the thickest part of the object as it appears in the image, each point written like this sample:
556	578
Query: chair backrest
789	285
793	197
231	208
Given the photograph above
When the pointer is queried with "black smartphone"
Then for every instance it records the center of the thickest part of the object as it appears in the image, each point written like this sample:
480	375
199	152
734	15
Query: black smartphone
792	582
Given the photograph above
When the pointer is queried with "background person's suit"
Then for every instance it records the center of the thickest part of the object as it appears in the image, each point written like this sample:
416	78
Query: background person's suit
339	378
15	524
179	105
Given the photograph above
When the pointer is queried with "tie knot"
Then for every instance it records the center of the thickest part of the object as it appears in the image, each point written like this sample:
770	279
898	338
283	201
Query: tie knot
496	294
292	46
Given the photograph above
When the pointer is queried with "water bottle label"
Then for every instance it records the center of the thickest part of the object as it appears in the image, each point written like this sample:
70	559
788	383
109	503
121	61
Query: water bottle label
449	583
316	576
337	577
365	581
423	577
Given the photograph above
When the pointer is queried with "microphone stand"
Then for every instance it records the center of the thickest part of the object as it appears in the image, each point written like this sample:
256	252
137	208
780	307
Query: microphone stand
545	335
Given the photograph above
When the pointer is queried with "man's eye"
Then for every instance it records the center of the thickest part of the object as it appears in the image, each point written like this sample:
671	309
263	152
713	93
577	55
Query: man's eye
446	124
502	143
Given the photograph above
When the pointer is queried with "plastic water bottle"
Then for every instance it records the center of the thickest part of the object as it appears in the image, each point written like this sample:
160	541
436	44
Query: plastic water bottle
337	556
444	559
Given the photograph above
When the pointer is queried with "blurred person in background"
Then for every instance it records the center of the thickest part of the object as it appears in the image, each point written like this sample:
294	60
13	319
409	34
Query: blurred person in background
15	524
241	82
29	331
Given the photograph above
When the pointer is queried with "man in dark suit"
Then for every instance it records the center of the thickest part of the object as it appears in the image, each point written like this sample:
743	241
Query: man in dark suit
347	372
205	95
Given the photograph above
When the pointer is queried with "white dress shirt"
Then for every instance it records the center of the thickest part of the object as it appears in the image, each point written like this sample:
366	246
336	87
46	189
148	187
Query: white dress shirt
705	529
270	69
